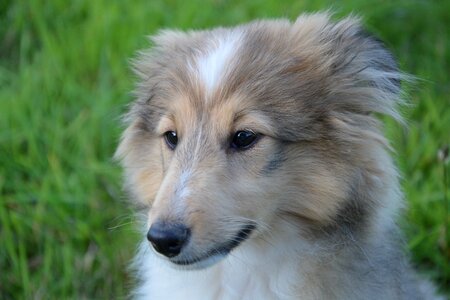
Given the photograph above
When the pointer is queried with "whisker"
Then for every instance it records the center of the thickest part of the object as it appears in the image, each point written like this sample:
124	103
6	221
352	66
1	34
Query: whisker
120	225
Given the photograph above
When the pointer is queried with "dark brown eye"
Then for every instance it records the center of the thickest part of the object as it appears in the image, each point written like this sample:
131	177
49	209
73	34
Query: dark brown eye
243	139
171	139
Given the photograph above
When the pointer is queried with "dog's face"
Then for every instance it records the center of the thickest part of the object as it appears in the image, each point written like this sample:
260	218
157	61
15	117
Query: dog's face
236	128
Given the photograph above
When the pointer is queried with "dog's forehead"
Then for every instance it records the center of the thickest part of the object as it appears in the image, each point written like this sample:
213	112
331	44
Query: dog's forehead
205	73
218	118
235	61
234	70
188	113
212	86
212	65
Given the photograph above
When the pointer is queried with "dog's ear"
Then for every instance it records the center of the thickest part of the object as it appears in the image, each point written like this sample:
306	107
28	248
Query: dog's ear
149	64
154	68
361	74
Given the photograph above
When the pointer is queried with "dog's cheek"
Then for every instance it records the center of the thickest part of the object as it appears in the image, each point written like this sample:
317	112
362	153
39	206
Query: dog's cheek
315	184
140	154
255	181
255	198
145	184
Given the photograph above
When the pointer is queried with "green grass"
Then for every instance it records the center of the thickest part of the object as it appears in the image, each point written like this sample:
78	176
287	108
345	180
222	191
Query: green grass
65	230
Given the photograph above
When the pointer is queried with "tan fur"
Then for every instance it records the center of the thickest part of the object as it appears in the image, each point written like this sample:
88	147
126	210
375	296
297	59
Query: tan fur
319	185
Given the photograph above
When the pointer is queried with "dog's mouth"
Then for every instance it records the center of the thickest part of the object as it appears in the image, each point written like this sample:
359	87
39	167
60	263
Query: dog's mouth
216	253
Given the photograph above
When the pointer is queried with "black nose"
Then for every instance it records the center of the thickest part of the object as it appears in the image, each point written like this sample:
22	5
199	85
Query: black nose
168	238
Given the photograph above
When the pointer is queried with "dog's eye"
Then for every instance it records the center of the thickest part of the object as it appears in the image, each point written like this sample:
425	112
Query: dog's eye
243	139
171	139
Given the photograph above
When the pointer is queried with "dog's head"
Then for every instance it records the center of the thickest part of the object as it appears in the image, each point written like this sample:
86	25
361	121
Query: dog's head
236	128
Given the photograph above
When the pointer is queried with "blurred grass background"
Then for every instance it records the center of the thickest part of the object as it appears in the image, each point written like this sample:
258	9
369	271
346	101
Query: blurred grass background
65	229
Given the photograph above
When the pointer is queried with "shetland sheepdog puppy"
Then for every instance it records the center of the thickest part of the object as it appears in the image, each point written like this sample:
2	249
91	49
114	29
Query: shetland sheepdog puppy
256	157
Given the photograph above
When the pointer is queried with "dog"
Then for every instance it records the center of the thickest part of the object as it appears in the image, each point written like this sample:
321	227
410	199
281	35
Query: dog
258	161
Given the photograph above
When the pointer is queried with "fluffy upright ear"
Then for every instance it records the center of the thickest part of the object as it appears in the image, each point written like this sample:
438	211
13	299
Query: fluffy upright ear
362	75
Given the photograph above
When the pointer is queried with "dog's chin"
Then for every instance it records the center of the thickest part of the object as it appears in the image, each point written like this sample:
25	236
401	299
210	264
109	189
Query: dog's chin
198	263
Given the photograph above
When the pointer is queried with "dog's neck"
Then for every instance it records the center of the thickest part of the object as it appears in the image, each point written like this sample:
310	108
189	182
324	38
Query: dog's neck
275	266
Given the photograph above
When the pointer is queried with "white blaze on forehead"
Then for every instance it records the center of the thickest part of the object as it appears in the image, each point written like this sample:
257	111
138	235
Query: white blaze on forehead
212	65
